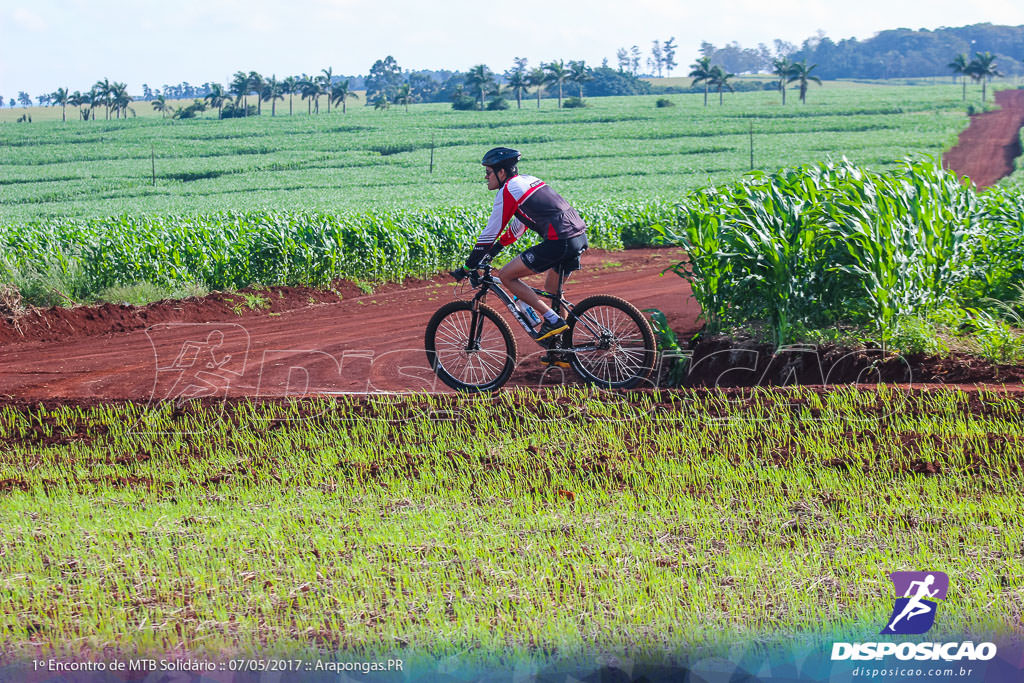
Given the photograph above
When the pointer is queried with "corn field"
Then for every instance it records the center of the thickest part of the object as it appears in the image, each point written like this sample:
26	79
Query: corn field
814	246
238	249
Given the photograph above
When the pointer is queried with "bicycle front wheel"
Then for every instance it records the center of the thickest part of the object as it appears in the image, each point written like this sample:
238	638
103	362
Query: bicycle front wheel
470	351
611	344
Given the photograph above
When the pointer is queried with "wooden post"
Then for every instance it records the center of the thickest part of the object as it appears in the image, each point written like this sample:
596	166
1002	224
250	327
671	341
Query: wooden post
751	145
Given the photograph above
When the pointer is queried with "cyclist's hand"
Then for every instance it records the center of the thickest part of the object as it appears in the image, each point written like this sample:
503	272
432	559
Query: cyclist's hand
474	278
459	274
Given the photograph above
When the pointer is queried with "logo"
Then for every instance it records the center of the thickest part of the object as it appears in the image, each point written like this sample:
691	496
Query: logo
914	612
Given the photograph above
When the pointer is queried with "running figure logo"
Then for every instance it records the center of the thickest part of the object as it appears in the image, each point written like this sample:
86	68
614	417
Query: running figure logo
197	360
914	613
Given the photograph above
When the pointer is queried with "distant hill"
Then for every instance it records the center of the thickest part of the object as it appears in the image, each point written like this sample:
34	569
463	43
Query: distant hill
906	53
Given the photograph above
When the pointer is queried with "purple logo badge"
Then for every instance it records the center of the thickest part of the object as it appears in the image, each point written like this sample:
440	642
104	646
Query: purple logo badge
914	611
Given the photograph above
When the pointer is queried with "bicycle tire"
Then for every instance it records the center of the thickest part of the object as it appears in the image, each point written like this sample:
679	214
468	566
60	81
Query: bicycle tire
463	370
608	321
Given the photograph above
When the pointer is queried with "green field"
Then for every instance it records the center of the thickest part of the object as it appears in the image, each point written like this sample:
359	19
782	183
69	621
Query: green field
649	521
616	149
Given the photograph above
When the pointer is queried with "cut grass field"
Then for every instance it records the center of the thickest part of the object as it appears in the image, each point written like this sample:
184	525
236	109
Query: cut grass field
519	523
616	149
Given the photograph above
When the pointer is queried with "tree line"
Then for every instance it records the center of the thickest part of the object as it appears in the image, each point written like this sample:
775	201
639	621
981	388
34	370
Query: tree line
906	53
482	88
784	70
980	69
386	84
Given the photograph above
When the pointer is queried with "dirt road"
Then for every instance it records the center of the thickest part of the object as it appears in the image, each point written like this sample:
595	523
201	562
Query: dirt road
987	148
362	343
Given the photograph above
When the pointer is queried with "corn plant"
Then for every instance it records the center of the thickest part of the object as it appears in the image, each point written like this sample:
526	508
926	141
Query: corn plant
813	246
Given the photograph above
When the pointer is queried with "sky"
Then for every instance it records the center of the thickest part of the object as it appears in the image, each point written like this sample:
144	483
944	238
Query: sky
47	44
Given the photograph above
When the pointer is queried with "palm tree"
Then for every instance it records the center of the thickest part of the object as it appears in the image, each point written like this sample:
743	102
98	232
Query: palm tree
216	97
340	93
381	102
557	73
272	92
102	92
76	100
961	67
85	101
256	86
782	68
309	88
481	79
120	99
517	83
160	105
537	78
983	68
240	88
60	96
700	72
579	73
289	87
325	83
720	79
801	73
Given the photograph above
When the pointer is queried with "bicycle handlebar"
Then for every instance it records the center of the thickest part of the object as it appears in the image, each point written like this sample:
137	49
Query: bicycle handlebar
474	276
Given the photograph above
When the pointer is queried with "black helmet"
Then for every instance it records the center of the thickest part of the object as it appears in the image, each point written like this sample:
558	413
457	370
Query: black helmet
502	157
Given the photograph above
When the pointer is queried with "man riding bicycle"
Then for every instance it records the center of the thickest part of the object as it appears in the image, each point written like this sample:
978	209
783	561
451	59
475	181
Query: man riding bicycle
524	201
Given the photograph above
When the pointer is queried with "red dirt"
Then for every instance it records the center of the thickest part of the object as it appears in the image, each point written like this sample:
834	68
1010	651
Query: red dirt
724	362
987	148
361	343
374	342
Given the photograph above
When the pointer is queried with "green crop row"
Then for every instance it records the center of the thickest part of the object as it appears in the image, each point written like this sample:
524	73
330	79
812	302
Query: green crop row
237	249
654	522
811	247
615	149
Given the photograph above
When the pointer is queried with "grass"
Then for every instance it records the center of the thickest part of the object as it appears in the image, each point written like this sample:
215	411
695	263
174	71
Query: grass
249	301
618	148
652	522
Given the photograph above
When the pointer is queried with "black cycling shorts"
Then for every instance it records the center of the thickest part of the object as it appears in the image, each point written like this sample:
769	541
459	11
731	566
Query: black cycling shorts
550	253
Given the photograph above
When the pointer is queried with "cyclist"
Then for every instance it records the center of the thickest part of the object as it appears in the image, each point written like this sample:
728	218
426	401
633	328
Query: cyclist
524	201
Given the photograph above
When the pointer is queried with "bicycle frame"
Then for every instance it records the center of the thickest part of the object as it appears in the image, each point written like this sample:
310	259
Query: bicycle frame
491	283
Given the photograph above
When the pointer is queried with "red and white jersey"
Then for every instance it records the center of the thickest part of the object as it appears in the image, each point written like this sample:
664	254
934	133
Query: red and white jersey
524	202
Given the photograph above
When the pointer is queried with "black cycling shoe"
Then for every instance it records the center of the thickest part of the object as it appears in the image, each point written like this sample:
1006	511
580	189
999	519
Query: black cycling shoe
551	329
554	358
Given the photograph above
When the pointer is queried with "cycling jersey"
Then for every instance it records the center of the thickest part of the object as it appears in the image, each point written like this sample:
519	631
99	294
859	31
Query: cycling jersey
524	202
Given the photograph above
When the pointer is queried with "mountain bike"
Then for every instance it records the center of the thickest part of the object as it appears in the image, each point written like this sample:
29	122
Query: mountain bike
471	348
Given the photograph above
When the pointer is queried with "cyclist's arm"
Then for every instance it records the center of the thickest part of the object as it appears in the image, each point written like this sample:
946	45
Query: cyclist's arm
502	229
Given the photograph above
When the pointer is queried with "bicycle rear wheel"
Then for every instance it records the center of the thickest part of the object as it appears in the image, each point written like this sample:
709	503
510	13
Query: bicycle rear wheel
470	352
610	342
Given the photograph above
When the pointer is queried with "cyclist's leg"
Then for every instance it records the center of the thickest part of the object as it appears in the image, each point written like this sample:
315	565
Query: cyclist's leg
568	265
551	280
510	276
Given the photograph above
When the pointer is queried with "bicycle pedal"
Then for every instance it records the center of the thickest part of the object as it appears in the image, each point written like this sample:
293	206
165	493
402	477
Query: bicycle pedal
558	360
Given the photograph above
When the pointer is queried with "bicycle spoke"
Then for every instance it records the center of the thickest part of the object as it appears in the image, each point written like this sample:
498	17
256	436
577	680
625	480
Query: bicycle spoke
609	345
476	364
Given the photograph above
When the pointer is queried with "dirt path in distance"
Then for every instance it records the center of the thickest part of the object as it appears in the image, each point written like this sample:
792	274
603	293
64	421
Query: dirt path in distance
987	148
